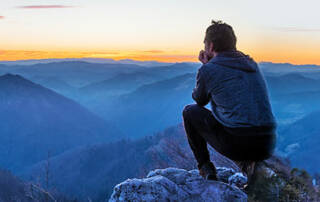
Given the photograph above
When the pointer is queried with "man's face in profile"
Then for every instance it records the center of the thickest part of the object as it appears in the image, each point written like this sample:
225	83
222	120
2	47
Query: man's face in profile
208	50
205	45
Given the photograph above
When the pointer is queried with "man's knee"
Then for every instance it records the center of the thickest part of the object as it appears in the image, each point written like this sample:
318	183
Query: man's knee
186	110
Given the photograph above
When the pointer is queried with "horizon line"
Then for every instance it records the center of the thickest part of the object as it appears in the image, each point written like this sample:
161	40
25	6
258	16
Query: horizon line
137	60
170	56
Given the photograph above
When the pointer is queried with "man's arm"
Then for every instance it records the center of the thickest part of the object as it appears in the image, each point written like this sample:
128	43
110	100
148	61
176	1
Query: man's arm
200	93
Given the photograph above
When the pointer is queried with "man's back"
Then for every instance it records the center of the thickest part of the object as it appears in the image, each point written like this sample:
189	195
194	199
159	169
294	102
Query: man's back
237	90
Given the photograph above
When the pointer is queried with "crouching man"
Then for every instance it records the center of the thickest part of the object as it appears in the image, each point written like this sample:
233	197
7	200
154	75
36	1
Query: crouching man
241	125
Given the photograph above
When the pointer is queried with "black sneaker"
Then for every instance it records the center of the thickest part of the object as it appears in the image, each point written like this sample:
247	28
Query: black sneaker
208	171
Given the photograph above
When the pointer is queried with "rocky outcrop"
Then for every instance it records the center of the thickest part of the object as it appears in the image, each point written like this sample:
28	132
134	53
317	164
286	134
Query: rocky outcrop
174	184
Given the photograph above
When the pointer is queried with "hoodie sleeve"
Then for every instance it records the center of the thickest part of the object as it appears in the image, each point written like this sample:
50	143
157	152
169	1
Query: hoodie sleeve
199	93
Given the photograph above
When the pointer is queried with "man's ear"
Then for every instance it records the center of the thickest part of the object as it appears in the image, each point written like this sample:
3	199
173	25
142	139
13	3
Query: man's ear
211	47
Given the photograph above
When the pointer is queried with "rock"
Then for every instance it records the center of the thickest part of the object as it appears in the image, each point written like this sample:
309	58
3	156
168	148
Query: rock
224	173
237	179
174	184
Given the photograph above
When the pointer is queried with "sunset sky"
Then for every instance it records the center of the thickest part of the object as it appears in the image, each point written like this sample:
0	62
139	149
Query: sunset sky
164	30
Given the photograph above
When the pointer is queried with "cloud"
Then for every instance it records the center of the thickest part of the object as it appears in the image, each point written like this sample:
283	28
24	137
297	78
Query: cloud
44	6
153	51
1	17
296	29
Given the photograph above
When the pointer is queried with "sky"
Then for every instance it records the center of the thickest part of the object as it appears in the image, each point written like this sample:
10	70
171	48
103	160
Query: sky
164	30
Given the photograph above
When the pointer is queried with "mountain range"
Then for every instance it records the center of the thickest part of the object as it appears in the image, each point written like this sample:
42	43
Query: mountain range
93	171
98	123
35	120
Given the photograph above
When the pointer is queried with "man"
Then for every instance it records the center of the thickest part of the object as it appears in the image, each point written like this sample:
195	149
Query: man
241	125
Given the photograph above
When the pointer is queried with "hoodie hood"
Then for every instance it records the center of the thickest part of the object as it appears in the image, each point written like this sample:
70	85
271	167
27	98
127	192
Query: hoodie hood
235	60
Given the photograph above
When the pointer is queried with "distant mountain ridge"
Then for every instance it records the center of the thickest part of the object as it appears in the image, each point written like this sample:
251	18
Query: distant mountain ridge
276	69
151	107
75	73
91	60
35	120
133	80
149	63
300	142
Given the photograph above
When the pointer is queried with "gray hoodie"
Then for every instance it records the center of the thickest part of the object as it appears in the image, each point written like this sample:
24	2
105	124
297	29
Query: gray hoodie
237	90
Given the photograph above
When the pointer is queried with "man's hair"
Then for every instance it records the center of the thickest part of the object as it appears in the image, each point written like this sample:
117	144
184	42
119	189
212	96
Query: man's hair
221	35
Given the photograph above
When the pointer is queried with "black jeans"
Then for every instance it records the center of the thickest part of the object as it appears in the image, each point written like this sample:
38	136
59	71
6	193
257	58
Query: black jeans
238	144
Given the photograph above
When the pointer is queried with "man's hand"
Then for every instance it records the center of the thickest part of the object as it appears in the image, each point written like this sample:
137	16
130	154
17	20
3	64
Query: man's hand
203	57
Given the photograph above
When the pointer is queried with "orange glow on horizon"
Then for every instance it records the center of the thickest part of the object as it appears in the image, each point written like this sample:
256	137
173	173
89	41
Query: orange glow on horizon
13	55
265	56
